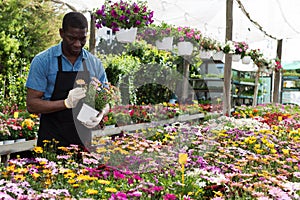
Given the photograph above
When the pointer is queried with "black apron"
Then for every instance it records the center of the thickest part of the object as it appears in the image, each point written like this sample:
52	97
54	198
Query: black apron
63	125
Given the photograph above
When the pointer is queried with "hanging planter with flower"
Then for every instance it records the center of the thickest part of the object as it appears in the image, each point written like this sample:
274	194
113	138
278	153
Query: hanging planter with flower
159	35
207	48
240	51
123	17
186	38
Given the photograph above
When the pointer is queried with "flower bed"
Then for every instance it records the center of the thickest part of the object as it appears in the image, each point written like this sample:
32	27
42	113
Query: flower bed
253	157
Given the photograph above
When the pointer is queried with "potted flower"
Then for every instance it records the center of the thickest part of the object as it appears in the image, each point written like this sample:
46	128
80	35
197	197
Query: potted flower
109	120
207	46
159	35
246	59
97	96
30	127
228	47
278	65
186	38
122	118
4	132
122	16
240	50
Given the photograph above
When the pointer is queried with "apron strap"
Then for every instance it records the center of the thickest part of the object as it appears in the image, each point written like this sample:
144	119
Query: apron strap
59	63
59	60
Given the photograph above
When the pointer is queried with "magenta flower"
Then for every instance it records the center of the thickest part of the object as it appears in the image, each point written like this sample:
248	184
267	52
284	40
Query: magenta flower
170	197
118	175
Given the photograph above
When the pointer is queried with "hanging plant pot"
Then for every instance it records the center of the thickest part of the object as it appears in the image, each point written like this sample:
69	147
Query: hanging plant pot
204	54
219	55
236	57
185	48
165	44
126	35
246	60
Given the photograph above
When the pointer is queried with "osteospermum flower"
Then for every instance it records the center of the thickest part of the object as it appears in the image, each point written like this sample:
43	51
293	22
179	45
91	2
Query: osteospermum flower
112	190
91	191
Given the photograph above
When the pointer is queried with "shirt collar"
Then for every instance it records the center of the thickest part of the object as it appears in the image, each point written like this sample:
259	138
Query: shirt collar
58	51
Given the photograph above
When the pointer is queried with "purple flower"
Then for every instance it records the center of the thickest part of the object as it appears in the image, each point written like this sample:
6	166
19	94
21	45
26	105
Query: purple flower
122	17
118	196
138	22
118	175
170	197
114	14
136	8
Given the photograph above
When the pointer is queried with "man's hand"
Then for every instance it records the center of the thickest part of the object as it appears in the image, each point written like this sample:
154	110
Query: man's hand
74	97
94	121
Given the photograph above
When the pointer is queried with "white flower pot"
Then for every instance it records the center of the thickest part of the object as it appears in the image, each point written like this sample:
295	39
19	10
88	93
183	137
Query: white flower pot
126	35
20	140
8	141
205	54
218	55
236	57
86	113
246	60
165	44
1	142
185	48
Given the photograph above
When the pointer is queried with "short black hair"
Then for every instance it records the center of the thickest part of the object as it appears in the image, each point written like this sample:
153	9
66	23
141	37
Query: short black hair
74	20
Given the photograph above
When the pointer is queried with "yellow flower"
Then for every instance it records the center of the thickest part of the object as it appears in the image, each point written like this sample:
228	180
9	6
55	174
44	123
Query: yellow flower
80	82
16	115
285	151
112	190
71	181
28	123
47	171
69	175
183	158
273	151
104	182
19	177
35	175
91	191
38	149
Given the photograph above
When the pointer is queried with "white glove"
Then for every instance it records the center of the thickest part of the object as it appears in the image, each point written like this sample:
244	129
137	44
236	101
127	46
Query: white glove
74	97
94	121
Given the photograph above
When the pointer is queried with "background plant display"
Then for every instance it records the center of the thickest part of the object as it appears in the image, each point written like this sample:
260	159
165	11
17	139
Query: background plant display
211	160
15	124
19	42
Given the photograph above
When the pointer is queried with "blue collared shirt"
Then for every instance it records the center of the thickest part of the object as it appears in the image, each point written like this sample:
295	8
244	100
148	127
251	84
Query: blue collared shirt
44	67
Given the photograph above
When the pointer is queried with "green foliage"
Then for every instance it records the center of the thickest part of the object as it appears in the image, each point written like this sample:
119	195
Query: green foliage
27	27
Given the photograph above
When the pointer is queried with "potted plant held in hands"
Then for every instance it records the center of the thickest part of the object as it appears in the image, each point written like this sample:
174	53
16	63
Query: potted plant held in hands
123	17
97	97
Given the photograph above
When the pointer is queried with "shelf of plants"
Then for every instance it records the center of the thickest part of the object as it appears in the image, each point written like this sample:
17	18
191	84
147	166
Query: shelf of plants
134	127
17	147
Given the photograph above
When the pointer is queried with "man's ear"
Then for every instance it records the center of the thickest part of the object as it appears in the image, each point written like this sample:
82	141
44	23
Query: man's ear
61	32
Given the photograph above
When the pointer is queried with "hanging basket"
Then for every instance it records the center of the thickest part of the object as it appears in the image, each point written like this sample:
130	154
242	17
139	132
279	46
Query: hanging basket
185	48
236	57
246	60
126	35
219	55
205	54
165	44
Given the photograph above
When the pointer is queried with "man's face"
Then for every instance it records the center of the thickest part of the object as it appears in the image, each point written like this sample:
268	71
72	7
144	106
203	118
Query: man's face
74	40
